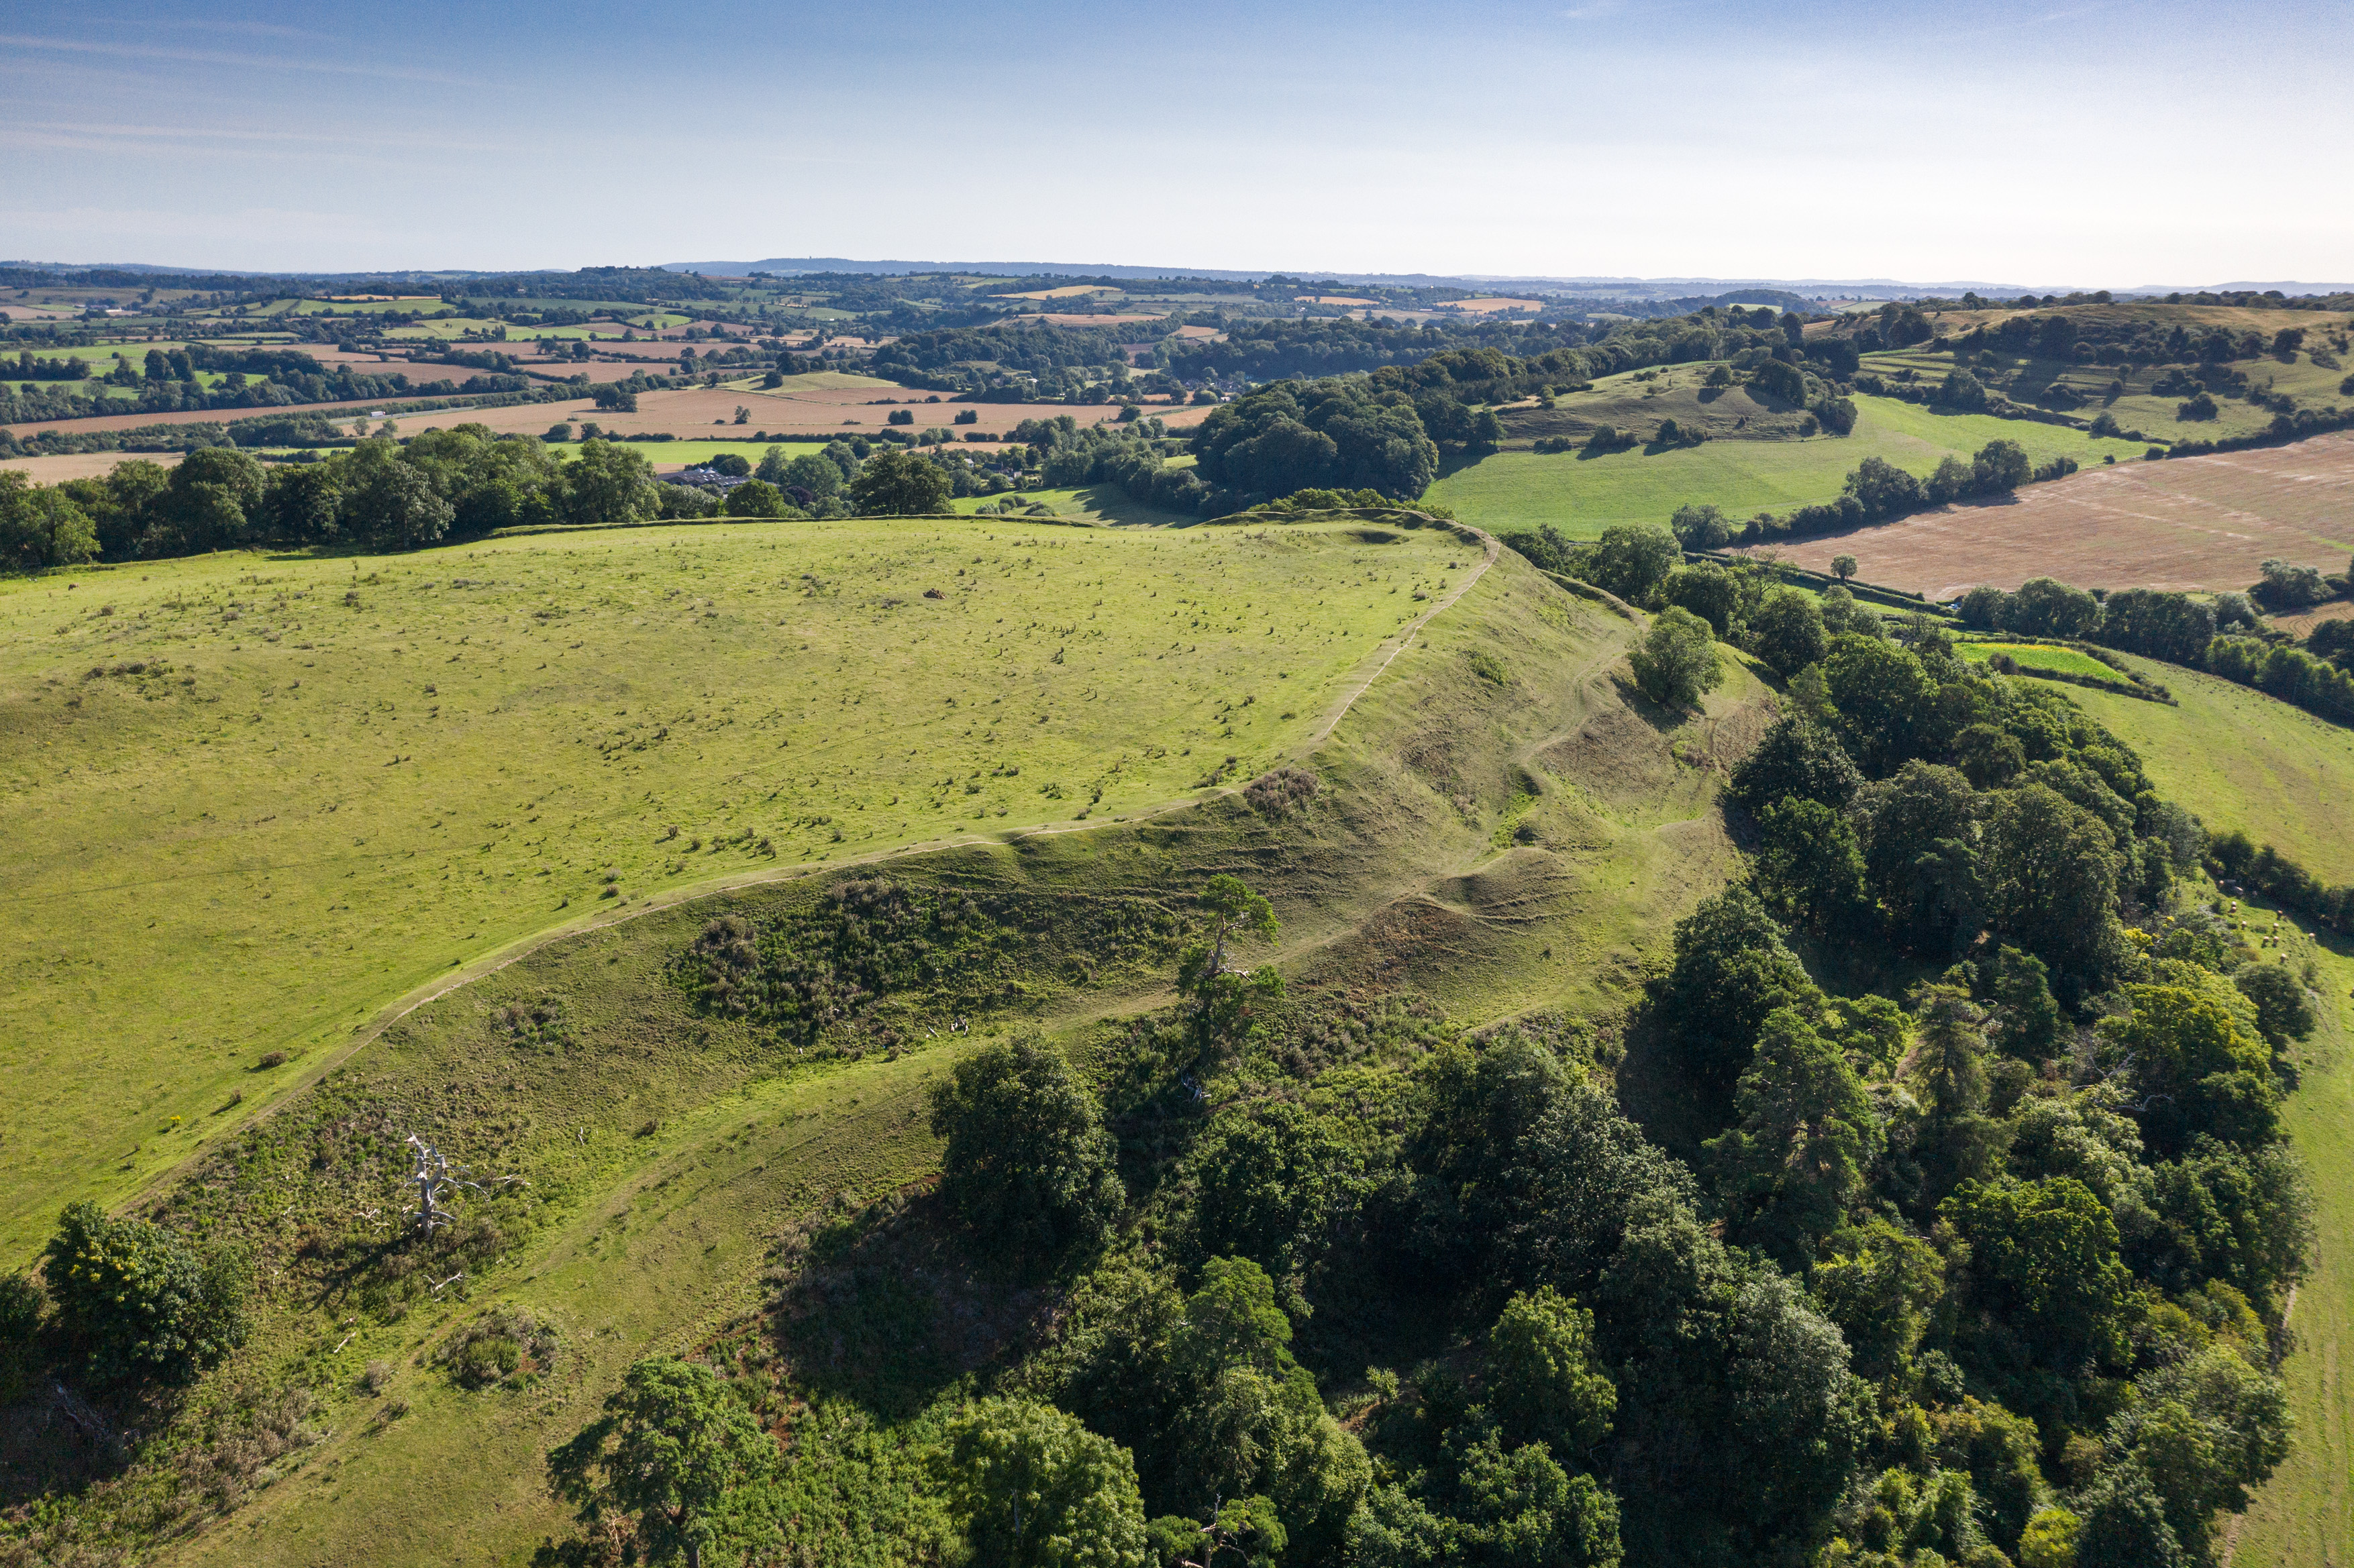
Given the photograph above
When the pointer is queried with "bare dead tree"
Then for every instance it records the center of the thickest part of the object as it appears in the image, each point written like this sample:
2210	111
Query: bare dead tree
438	1180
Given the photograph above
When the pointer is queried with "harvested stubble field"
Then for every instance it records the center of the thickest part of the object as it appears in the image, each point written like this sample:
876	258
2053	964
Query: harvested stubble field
252	798
834	403
2303	622
2197	523
62	466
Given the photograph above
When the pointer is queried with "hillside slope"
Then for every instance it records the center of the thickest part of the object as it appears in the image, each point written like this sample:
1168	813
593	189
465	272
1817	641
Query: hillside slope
1484	844
2242	759
251	799
1582	496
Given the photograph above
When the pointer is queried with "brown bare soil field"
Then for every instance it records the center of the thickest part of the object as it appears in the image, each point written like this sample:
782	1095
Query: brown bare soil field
63	466
1070	291
2202	524
1482	306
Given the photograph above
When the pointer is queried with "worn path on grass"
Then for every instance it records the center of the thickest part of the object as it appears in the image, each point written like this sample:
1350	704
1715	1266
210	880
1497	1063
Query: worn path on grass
499	959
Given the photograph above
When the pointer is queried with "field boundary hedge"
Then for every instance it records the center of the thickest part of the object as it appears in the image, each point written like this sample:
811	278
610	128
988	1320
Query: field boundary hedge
2286	430
2278	878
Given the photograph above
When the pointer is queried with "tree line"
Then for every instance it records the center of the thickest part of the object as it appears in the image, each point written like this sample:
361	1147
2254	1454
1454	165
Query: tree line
2222	635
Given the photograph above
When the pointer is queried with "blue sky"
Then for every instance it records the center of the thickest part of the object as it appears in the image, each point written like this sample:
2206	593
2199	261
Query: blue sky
2091	143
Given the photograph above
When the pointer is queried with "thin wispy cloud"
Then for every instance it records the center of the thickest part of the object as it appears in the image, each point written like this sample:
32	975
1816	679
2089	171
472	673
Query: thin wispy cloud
247	29
372	141
222	57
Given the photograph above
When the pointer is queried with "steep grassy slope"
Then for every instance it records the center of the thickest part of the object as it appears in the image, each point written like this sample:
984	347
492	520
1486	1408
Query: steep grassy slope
1582	496
1488	843
250	800
2242	759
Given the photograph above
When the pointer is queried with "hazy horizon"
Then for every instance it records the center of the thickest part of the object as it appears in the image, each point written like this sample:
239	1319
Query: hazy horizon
1826	141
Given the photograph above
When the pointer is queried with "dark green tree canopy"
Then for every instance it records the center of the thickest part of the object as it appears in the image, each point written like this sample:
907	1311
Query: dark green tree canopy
1677	660
895	483
1796	757
1028	1162
1322	434
672	1449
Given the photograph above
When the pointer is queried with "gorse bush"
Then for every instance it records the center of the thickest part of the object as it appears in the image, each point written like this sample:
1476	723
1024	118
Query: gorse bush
137	1301
873	963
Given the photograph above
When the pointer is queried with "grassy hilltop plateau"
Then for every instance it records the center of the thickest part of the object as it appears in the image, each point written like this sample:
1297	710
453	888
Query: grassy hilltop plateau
873	920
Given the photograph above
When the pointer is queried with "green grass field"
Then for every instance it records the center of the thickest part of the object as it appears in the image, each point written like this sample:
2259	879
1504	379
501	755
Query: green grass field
135	350
423	305
295	788
451	328
1581	496
2244	760
1640	399
2034	656
1094	504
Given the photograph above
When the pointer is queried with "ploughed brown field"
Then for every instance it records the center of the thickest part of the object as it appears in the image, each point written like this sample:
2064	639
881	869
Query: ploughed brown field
2200	524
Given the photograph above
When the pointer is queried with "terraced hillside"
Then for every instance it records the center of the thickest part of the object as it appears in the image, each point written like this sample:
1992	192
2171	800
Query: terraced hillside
254	799
1486	836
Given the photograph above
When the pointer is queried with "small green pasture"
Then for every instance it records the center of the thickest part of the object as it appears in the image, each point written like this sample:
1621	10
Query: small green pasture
135	350
1582	496
254	798
1640	399
433	306
2036	656
2138	406
453	328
